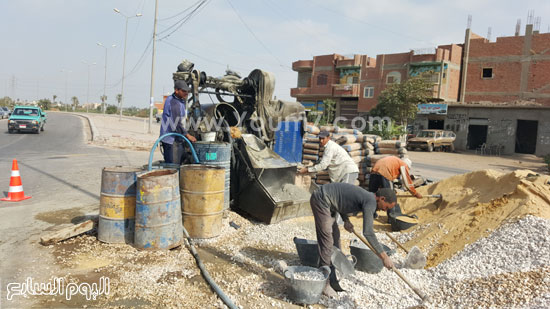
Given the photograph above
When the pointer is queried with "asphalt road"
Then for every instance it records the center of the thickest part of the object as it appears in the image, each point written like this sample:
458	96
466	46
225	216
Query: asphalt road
62	173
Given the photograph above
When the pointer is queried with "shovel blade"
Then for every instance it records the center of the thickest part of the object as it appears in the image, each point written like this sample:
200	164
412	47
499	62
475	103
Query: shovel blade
415	259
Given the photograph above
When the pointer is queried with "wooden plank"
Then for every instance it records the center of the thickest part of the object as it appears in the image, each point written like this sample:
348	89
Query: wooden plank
68	232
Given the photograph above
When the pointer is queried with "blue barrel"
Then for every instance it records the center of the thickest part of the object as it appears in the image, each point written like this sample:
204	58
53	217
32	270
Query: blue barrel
117	204
158	210
216	153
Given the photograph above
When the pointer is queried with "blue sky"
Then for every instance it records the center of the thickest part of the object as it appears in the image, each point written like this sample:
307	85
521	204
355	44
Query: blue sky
43	37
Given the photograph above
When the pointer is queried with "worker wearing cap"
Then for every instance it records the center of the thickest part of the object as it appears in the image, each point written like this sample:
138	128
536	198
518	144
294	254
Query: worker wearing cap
345	199
341	167
386	170
173	115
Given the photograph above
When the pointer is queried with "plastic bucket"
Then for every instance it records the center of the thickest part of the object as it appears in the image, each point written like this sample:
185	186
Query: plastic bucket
208	136
305	291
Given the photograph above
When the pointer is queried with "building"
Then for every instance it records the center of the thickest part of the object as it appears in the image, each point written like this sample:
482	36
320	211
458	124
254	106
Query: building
355	83
512	68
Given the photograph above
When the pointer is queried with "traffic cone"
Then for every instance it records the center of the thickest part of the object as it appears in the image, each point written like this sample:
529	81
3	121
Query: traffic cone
15	193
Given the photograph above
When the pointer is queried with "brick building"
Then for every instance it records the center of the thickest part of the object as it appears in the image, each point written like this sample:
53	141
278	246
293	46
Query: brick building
512	68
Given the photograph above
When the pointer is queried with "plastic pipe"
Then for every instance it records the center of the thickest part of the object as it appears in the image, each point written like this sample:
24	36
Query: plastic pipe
150	168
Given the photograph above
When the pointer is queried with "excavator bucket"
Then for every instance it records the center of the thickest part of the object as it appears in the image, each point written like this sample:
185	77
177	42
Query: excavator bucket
266	189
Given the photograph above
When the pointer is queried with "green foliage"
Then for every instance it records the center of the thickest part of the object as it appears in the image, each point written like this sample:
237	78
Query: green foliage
547	161
111	109
399	101
75	102
45	104
387	131
6	101
329	113
119	98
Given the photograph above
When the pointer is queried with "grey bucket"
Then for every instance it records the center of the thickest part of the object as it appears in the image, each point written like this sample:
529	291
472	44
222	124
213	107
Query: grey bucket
367	260
305	291
307	251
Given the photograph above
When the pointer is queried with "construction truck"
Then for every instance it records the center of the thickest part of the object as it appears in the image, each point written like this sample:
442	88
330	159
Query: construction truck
261	182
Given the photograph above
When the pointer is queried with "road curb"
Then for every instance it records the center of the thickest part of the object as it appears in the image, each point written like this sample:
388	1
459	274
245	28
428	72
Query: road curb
94	131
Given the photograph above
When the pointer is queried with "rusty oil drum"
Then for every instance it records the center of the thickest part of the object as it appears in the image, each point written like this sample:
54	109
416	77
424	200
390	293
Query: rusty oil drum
158	210
117	204
202	193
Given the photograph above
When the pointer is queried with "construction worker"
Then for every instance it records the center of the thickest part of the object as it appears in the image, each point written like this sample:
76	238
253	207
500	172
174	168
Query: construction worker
173	115
341	167
385	171
345	199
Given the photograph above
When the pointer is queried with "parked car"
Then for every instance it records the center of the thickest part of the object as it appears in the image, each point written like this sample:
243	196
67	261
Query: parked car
431	140
27	118
7	110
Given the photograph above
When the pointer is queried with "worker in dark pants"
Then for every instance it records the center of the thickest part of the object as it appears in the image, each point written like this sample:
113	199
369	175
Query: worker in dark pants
346	199
385	171
173	115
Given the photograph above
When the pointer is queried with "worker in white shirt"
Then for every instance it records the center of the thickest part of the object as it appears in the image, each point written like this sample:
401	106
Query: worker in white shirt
341	167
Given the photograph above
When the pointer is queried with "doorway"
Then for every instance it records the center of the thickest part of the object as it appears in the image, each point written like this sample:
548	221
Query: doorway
436	124
477	135
526	136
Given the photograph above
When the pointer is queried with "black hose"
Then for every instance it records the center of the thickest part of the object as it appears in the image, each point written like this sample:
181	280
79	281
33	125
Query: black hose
206	275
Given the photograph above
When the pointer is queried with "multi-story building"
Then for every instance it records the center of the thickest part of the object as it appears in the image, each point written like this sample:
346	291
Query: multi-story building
355	83
512	68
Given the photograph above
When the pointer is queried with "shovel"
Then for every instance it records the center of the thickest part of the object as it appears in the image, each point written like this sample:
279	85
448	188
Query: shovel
418	292
437	203
415	259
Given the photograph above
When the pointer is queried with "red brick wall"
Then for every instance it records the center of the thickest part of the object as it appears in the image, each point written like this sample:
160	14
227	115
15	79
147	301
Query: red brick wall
504	46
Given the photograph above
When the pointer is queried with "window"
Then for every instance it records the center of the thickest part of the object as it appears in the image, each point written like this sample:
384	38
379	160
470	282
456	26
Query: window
369	92
487	73
393	78
321	79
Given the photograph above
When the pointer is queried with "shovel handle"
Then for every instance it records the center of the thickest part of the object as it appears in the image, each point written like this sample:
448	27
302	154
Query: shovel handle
421	294
397	243
424	196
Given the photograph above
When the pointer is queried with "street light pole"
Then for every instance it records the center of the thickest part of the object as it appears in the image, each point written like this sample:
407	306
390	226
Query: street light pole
105	78
88	89
66	81
124	57
151	103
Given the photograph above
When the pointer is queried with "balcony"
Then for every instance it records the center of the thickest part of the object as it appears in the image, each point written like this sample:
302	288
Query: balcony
346	91
302	65
349	63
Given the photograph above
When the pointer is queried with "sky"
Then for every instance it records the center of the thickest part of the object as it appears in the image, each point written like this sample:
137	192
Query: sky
48	46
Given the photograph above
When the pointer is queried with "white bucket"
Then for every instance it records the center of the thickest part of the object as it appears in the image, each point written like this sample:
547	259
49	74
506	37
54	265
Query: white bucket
208	137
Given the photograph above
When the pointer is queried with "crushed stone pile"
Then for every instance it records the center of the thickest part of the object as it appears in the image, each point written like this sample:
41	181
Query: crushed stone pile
473	205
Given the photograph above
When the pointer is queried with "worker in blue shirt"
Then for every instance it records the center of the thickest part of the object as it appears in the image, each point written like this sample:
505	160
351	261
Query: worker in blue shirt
173	115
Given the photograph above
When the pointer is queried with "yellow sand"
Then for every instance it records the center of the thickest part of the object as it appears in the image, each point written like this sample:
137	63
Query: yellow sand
473	205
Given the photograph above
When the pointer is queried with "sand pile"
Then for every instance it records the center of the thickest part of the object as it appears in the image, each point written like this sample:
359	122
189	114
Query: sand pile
473	205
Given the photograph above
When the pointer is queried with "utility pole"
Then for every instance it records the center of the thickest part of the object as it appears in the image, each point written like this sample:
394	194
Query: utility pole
124	57
88	88
105	78
152	102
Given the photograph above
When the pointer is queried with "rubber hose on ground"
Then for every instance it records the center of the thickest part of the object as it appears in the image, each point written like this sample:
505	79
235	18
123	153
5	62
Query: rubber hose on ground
206	275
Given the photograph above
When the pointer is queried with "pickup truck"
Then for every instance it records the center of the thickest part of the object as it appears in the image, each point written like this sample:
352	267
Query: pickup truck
27	118
431	140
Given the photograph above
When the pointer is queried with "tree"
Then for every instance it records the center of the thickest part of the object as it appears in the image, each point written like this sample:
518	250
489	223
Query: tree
399	101
75	102
54	97
44	104
6	101
111	109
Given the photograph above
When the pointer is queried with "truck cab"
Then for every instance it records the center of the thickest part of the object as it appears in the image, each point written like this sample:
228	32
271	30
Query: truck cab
27	118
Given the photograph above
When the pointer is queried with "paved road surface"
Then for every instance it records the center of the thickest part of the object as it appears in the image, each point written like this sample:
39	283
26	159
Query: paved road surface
63	175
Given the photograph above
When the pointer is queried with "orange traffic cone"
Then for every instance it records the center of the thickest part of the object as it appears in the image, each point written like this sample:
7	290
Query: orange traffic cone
15	193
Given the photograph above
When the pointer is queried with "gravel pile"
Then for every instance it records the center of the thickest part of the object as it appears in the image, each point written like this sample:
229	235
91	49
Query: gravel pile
510	268
310	275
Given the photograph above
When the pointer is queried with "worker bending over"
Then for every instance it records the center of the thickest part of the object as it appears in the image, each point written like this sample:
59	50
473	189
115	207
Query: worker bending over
345	199
341	167
385	171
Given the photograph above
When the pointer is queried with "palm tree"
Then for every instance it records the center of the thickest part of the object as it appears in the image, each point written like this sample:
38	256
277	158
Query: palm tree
119	99
103	99
75	102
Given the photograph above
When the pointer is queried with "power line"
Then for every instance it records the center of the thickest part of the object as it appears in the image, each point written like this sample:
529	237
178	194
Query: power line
178	14
184	20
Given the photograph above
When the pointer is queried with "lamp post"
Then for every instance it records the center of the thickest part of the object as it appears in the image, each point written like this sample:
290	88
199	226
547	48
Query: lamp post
88	89
66	81
105	78
124	56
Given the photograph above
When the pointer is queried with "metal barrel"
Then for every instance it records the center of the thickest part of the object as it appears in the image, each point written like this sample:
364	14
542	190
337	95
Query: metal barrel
219	154
117	204
158	210
202	190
